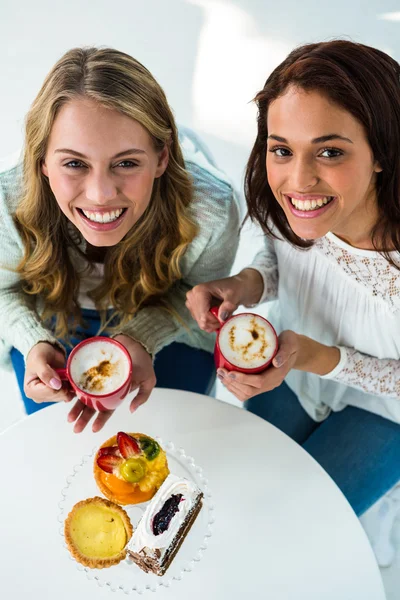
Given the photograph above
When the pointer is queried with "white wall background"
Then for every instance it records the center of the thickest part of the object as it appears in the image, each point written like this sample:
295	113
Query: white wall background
210	56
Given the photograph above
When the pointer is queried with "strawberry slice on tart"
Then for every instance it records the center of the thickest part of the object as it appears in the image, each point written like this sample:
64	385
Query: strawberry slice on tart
108	461
128	445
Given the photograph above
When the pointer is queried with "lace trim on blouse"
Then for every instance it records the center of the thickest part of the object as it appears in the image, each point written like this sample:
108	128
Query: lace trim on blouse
366	267
376	376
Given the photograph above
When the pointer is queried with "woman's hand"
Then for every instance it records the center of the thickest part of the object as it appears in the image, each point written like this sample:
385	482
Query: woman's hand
295	352
245	386
41	382
245	288
143	377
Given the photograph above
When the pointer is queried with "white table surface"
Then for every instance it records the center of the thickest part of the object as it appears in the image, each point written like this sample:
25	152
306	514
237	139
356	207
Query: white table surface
282	530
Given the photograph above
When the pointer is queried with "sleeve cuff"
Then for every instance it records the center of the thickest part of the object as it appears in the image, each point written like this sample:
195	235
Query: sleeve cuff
339	367
33	334
135	339
151	328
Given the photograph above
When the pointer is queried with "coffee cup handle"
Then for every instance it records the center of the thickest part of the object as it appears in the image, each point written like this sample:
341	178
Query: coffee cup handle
214	311
62	373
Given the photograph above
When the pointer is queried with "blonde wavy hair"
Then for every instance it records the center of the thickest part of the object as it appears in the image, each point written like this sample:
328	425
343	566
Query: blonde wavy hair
139	270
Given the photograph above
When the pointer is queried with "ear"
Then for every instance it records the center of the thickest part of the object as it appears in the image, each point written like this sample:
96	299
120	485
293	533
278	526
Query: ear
163	159
43	168
377	168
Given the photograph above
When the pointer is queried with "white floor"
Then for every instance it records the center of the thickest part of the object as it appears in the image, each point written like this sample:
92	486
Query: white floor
211	56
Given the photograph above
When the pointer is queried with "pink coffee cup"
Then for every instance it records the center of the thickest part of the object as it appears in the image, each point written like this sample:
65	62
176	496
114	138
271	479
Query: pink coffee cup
261	331
88	383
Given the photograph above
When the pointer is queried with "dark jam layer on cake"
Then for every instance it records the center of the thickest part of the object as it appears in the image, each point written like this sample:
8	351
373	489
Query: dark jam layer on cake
163	518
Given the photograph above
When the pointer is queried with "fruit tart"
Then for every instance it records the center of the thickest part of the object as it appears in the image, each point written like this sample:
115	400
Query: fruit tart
130	467
97	532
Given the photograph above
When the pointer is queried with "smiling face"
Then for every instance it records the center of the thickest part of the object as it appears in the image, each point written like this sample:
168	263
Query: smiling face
320	167
101	167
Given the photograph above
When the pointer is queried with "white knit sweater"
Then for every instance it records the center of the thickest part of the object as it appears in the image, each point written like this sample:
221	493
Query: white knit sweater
339	296
210	256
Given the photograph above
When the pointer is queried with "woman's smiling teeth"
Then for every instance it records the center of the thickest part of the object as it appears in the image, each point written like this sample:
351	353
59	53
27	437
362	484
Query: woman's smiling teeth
103	217
313	204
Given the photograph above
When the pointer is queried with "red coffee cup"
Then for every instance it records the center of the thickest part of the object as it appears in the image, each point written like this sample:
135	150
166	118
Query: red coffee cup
99	401
221	361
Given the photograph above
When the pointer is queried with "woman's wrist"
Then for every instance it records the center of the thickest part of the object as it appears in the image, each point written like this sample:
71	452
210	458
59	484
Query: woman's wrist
314	357
252	285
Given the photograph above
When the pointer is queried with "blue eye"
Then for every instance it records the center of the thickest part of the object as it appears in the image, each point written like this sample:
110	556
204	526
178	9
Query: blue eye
74	164
127	164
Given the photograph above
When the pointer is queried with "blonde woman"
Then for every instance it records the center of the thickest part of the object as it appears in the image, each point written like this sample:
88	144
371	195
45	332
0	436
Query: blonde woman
112	217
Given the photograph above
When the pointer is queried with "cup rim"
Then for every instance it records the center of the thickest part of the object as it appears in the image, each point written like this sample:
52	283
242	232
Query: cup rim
97	338
252	369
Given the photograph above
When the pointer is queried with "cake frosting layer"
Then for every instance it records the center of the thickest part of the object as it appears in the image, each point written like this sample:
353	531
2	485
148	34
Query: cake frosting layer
144	536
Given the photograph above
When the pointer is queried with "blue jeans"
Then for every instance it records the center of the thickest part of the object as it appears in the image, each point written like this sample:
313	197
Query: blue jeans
176	366
358	449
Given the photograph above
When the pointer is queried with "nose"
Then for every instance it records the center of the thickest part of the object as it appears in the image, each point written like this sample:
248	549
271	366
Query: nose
303	174
100	187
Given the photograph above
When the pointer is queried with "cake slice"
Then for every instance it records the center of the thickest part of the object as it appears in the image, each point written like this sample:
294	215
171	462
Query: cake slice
165	524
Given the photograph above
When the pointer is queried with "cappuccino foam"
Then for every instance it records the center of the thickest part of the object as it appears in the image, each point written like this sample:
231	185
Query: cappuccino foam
247	341
99	368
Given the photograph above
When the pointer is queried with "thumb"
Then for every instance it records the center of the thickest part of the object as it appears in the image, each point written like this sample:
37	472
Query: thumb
285	351
226	309
279	359
50	377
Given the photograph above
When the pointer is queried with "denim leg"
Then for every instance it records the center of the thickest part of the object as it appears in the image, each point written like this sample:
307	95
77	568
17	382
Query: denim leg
360	451
281	408
18	364
182	367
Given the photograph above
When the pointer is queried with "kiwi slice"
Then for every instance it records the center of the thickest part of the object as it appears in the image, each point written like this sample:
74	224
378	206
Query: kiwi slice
150	448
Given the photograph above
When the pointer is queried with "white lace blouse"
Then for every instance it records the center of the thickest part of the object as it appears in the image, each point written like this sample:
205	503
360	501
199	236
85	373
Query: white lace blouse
339	296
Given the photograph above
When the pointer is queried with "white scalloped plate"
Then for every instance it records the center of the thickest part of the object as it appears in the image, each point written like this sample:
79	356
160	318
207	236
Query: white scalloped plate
126	576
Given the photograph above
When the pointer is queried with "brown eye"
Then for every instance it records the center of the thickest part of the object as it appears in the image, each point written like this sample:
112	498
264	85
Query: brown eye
331	153
280	152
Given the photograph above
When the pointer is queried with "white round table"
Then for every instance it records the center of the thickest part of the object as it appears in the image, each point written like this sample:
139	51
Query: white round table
282	529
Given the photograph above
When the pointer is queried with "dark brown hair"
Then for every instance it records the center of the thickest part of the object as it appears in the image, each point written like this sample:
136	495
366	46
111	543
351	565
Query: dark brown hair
365	82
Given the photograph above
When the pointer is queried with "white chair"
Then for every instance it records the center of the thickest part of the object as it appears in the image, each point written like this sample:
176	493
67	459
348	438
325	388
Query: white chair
378	523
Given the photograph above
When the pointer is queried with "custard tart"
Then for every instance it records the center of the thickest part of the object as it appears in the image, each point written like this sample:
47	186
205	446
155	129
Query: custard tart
97	532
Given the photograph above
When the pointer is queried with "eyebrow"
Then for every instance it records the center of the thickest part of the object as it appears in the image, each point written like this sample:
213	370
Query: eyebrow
76	153
318	140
